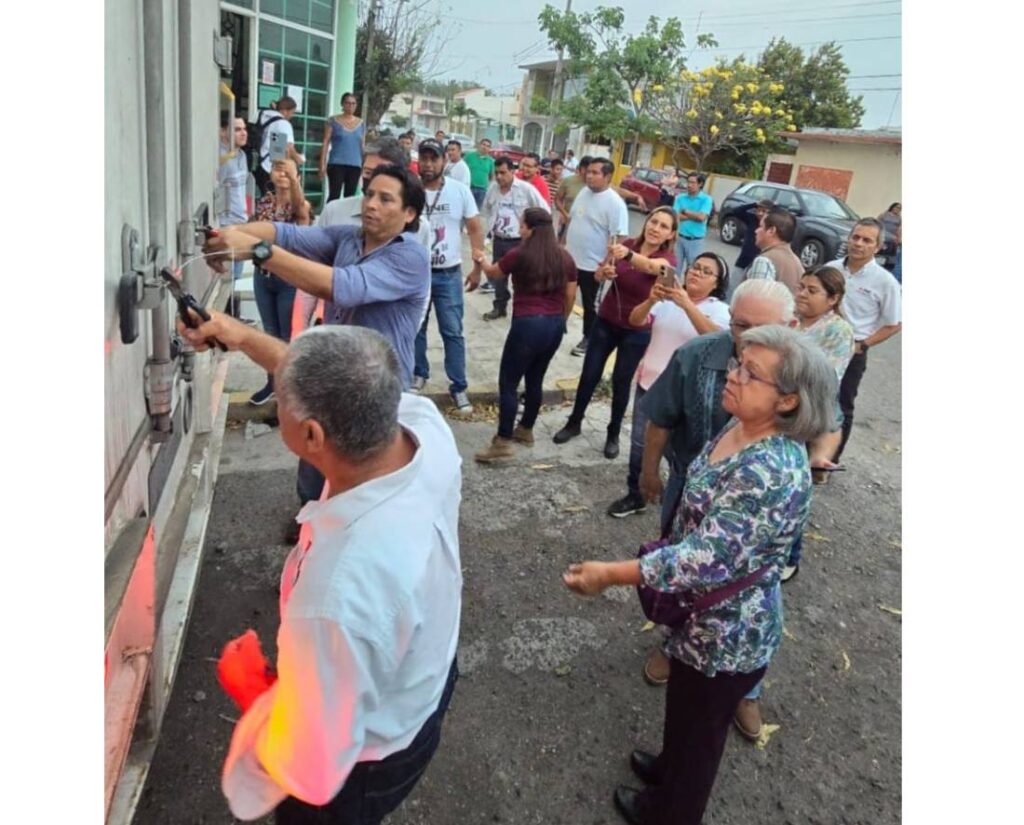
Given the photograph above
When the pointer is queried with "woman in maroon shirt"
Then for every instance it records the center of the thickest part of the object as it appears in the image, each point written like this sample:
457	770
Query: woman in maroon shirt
544	291
637	264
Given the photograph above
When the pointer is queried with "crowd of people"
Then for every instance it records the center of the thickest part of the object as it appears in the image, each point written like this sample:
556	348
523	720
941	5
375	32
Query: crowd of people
746	390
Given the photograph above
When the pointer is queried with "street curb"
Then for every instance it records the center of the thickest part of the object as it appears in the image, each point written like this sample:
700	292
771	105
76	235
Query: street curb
239	408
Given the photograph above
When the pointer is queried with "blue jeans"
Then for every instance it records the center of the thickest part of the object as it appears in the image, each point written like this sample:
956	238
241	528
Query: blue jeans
374	789
687	251
446	299
274	299
636	443
673	488
532	342
604	339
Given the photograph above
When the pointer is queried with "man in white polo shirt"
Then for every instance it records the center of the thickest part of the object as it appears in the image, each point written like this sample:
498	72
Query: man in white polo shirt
598	217
872	305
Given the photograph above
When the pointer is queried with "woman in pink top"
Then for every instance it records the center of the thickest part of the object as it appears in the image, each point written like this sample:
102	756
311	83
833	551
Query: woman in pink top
676	315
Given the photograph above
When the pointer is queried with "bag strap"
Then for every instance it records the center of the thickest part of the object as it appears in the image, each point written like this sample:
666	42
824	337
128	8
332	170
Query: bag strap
727	591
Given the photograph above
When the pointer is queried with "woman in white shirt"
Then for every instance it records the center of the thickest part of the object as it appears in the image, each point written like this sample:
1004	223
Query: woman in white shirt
676	315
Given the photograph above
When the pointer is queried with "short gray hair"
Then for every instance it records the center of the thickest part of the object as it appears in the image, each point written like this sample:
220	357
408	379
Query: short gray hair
803	371
766	290
347	379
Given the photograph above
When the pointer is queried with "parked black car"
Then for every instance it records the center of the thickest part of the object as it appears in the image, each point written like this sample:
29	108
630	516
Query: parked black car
823	221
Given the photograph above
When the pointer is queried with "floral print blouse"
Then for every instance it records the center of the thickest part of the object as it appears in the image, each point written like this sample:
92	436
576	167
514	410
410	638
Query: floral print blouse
734	517
835	337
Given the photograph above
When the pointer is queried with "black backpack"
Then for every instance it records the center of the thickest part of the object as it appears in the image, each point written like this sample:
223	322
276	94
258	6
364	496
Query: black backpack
255	143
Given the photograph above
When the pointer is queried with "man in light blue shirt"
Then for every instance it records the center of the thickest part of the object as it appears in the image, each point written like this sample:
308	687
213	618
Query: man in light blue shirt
694	208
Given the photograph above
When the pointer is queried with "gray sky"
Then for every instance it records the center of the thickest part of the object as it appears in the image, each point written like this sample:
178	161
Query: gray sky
486	48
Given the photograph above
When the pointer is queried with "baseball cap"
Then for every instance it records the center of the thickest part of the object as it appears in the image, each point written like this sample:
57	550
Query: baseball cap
431	145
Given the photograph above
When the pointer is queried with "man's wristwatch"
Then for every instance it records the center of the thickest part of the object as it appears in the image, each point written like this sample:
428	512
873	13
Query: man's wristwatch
261	253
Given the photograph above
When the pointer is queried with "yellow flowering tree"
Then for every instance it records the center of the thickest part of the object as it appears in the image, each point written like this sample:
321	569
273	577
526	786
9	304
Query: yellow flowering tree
727	107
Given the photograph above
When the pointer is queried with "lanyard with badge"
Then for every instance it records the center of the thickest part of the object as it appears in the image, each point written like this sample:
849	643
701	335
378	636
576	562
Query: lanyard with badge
437	259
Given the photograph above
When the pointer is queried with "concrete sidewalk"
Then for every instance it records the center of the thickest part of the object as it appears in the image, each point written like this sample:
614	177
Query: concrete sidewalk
484	342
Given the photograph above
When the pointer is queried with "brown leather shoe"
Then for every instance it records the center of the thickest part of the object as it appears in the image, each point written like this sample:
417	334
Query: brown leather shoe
748	719
656	668
523	435
501	449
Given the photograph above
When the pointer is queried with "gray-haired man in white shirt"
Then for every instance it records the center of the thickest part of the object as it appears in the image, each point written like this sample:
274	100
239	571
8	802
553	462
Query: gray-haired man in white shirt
370	597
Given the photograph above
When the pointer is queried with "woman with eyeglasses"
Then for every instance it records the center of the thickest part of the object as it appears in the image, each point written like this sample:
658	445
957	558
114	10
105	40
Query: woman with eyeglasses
676	315
747	495
630	271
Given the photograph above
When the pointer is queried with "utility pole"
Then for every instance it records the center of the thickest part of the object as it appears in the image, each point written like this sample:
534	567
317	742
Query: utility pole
371	21
558	85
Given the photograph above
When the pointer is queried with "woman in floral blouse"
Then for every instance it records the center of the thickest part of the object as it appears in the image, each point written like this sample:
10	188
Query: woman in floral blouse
747	495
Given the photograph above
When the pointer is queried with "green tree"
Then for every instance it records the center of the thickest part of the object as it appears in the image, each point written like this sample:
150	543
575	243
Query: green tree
730	107
815	84
619	68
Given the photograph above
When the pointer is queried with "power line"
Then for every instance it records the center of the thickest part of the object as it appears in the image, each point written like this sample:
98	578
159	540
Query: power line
774	20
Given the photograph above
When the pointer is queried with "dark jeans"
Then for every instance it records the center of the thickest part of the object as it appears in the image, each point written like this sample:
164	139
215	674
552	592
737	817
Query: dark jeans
501	291
274	300
588	287
602	341
848	394
340	177
309	484
532	342
698	712
375	789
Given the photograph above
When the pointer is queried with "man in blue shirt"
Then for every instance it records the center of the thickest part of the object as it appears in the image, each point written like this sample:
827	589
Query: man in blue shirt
376	275
694	209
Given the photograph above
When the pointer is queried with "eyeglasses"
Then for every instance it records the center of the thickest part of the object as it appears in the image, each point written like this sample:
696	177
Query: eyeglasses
744	376
706	273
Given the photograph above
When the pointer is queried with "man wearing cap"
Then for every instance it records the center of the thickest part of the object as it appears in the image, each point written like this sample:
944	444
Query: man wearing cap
449	206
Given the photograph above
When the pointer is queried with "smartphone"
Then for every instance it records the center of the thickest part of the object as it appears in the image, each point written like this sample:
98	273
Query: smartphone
667	278
278	146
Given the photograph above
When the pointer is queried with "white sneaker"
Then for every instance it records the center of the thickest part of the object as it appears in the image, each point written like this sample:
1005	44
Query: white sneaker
462	405
418	383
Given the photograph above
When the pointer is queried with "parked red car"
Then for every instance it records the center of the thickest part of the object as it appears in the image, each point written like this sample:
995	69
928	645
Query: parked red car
509	150
646	182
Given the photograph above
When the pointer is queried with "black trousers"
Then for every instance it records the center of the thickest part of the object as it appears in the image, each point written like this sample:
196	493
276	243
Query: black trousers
375	789
848	394
588	287
342	180
501	290
698	712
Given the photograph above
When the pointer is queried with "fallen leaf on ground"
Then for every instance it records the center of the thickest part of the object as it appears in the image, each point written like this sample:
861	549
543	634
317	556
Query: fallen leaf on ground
787	634
542	466
576	508
816	537
563	670
766	733
846	661
894	610
647	626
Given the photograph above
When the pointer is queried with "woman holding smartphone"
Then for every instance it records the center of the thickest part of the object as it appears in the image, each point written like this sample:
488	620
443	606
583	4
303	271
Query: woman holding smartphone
676	314
630	271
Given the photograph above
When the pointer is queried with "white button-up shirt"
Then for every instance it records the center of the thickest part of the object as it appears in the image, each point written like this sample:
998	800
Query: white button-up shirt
369	629
873	298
